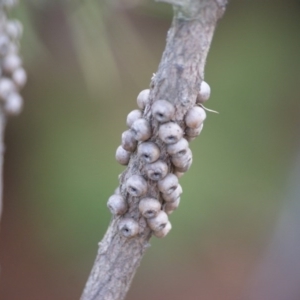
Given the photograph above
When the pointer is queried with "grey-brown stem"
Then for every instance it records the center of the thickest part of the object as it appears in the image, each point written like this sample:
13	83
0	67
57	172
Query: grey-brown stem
177	80
2	148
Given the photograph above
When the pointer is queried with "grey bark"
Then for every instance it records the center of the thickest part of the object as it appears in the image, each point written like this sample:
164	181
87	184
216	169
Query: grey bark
177	80
2	148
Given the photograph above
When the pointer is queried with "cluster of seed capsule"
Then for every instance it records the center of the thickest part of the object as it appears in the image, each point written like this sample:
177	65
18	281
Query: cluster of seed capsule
12	75
137	140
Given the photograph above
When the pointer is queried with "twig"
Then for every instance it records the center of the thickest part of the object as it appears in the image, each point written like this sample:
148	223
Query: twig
177	80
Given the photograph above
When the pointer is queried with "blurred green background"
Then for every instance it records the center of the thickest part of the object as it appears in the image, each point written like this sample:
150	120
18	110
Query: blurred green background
86	63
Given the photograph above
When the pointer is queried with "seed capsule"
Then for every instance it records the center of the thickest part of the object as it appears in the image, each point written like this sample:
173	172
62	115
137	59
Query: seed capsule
159	222
163	111
183	162
4	45
6	88
168	184
178	149
170	132
13	104
204	93
133	116
157	170
174	195
195	116
11	63
148	152
169	207
128	227
14	29
117	205
136	186
193	132
149	207
141	130
162	233
19	77
122	156
128	141
143	99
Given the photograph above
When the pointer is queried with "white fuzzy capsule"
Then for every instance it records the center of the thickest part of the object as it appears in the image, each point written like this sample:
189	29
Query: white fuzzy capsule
13	104
179	148
136	186
141	130
195	117
133	116
183	162
159	222
128	227
174	195
122	156
19	77
179	174
169	207
117	205
4	44
162	233
157	170
163	111
204	92
129	143
6	87
148	152
149	207
14	29
168	184
170	132
143	98
11	62
193	132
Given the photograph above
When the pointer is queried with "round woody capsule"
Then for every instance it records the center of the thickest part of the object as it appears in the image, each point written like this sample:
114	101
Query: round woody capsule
149	207
157	170
128	227
204	92
133	116
14	29
184	162
159	222
193	132
122	156
19	77
129	143
170	132
163	111
4	44
178	174
13	104
6	88
117	205
168	184
169	207
162	233
179	148
141	130
136	186
148	152
11	63
195	117
143	98
174	195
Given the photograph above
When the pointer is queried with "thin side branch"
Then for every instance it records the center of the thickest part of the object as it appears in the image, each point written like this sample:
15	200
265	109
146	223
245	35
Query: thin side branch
177	80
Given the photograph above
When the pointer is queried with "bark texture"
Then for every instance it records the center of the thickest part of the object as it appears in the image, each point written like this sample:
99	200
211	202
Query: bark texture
2	148
177	80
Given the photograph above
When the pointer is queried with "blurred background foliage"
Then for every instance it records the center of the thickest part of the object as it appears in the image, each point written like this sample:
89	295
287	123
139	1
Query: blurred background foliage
87	61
